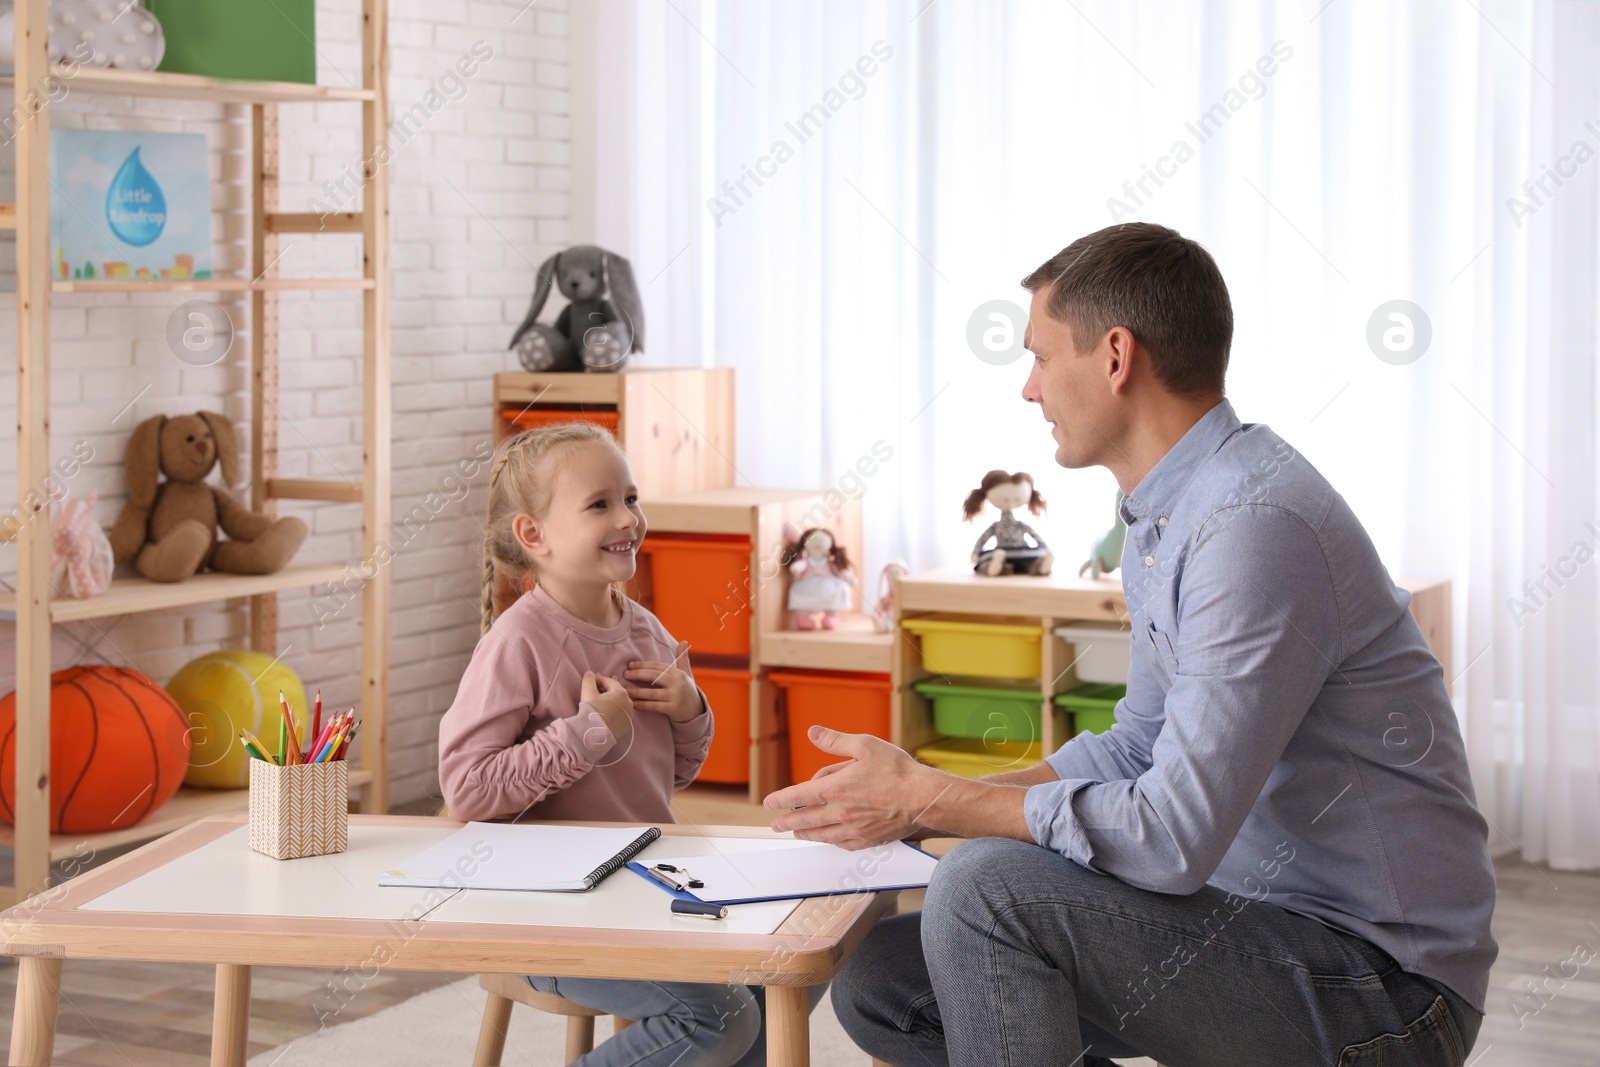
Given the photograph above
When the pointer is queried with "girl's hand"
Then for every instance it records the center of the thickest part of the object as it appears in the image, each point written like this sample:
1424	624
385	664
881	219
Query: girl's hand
665	689
611	700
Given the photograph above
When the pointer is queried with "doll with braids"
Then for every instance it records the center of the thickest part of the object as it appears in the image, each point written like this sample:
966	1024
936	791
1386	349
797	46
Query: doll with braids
1017	548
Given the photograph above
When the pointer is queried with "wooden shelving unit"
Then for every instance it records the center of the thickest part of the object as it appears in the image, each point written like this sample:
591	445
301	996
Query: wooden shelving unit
1048	603
32	606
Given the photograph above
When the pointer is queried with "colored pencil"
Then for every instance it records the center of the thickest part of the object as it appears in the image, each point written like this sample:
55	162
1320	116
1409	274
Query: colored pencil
283	743
255	753
344	727
316	717
344	746
254	743
324	733
291	754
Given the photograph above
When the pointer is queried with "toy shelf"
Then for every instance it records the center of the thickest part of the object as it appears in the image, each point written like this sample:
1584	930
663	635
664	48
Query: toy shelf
128	596
855	646
197	87
960	595
206	285
32	606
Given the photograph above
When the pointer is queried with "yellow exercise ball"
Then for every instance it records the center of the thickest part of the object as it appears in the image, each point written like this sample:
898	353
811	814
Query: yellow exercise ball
224	692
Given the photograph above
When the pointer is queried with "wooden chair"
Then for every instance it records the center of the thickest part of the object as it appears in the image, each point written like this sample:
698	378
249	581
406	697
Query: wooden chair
506	990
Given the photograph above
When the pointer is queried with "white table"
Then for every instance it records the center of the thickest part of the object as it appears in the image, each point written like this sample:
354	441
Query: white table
199	895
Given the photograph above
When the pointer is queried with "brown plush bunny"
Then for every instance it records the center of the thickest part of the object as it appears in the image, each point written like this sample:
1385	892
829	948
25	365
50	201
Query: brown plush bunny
170	529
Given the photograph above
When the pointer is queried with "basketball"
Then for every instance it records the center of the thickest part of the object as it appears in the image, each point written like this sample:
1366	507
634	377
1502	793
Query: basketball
224	692
119	746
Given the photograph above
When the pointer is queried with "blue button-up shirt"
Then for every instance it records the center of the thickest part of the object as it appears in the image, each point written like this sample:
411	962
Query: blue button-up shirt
1286	734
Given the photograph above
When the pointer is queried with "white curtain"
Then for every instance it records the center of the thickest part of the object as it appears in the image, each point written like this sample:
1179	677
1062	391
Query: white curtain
1334	157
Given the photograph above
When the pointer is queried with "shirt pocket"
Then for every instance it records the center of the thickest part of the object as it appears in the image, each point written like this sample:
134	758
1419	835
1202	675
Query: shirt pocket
1161	649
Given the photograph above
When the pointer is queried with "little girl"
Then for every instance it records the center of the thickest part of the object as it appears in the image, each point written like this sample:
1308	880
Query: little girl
579	705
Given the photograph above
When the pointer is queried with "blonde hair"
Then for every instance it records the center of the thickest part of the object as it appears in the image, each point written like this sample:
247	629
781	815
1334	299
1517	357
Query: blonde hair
522	481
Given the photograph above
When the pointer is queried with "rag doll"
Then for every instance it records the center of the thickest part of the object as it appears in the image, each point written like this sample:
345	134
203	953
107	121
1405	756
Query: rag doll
819	580
1012	552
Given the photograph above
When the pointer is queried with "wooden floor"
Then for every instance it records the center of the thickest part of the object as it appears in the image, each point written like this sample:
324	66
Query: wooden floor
134	1014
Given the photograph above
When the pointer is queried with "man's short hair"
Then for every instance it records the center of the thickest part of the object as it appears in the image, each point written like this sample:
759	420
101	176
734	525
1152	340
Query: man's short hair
1162	287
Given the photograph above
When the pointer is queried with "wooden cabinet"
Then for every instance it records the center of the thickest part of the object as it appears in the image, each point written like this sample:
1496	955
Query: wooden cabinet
675	425
769	519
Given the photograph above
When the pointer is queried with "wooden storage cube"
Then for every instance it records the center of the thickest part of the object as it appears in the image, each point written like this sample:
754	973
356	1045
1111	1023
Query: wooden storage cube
728	692
675	424
990	712
971	758
700	590
845	701
983	649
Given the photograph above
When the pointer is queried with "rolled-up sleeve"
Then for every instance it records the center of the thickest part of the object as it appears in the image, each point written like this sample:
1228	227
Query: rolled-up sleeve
1257	635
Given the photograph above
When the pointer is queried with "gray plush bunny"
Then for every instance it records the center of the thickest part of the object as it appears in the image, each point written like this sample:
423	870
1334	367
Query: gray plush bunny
601	325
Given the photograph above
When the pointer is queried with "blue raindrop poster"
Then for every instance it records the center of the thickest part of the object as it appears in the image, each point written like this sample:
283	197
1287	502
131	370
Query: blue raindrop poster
129	206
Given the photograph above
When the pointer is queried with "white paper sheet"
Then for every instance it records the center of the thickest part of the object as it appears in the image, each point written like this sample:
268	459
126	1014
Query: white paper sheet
513	856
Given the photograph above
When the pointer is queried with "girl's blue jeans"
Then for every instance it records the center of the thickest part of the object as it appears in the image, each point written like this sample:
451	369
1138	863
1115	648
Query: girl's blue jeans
677	1024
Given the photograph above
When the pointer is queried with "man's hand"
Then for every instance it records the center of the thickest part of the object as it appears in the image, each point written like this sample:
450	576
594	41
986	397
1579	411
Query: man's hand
881	794
878	795
610	700
666	689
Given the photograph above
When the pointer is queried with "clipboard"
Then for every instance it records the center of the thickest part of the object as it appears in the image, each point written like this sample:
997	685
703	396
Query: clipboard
813	870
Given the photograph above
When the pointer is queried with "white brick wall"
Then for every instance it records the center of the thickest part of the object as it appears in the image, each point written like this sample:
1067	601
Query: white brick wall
479	198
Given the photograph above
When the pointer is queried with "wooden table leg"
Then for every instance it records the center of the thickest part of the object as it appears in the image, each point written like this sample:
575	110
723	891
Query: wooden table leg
33	1024
230	1015
788	1026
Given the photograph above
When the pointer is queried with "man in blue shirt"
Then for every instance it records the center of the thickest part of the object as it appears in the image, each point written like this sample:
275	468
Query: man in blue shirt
1274	857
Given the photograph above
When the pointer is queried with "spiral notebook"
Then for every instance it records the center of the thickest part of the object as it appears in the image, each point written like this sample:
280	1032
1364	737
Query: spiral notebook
523	856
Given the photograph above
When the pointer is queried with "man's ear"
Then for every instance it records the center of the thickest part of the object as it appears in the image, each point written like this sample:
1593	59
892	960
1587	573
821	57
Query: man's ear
1118	345
530	535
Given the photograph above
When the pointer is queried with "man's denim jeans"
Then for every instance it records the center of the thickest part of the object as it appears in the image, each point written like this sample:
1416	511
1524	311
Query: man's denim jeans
1023	958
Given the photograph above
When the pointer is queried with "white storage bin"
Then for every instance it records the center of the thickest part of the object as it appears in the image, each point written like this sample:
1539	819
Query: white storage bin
1102	652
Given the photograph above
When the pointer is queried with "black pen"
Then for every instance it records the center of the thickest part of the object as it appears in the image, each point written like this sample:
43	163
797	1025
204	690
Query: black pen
698	910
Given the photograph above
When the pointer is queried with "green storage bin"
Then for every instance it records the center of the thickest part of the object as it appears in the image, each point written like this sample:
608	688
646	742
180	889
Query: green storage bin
244	39
1093	707
981	711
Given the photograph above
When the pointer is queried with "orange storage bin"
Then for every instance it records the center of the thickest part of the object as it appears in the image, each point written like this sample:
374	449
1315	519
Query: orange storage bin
728	692
551	415
700	590
848	701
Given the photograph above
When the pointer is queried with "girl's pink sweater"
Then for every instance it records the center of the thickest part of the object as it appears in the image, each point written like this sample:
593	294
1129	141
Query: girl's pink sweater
519	743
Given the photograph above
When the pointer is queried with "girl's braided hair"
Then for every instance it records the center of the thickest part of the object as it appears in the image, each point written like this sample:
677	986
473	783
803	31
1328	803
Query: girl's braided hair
522	481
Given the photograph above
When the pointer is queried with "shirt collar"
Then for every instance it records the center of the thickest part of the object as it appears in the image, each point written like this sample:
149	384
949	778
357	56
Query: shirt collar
1160	489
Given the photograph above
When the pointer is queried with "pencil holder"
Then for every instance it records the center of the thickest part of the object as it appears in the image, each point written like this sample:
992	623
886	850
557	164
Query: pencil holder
300	810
